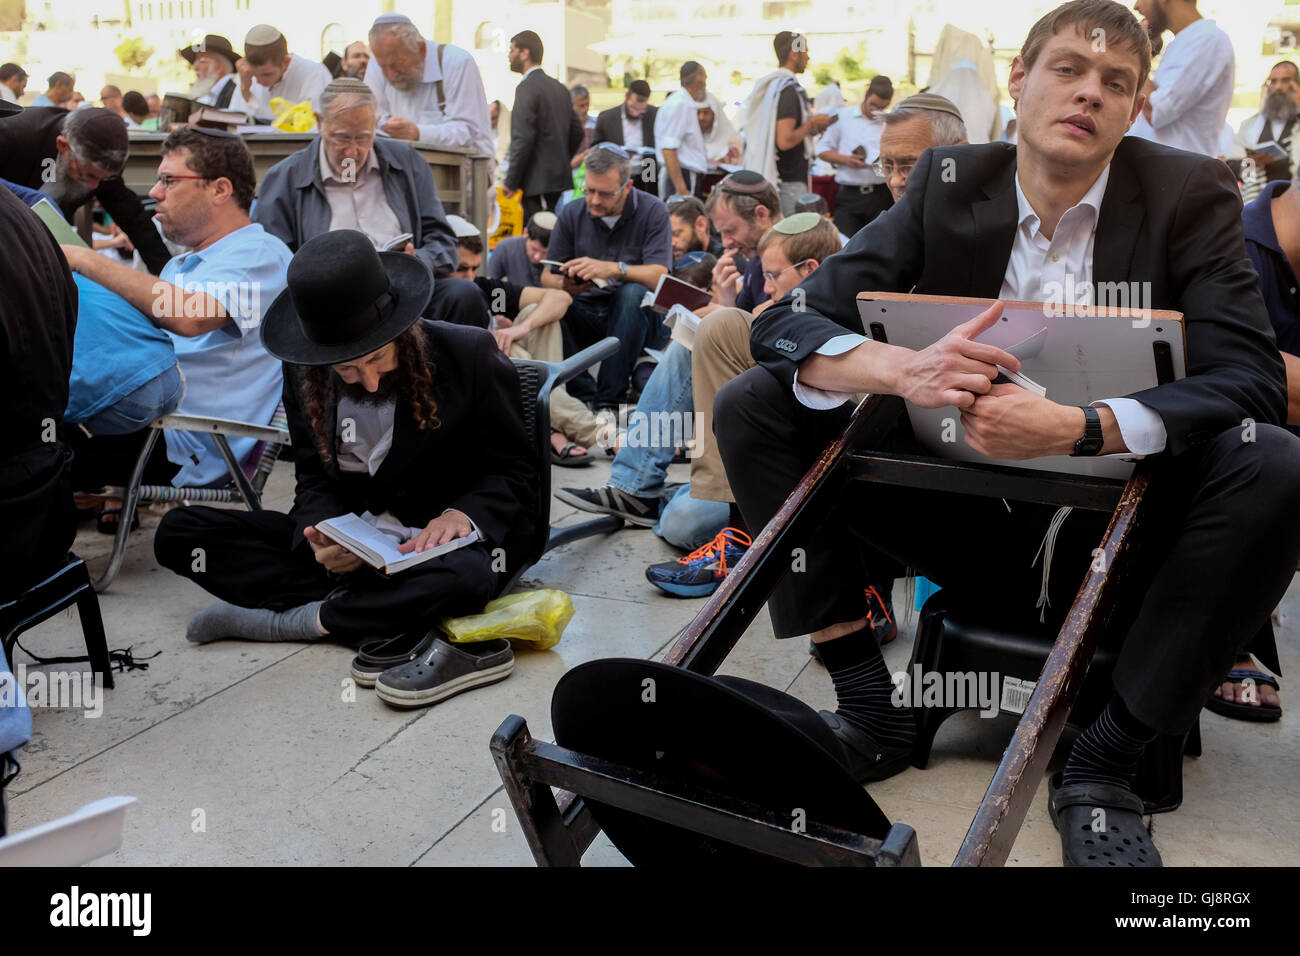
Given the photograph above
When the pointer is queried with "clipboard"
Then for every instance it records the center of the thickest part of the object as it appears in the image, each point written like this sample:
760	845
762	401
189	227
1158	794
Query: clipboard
1078	356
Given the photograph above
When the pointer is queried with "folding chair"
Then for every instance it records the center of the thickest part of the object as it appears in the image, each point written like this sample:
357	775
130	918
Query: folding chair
536	381
245	485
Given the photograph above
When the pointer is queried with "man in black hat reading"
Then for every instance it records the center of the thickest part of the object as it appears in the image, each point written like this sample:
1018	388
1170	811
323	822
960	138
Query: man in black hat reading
388	416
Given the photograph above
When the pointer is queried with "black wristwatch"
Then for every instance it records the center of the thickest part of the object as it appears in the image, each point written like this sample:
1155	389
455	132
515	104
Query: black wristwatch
1092	440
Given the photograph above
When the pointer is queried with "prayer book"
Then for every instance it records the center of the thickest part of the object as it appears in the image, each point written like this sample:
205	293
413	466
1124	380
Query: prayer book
52	216
670	292
377	548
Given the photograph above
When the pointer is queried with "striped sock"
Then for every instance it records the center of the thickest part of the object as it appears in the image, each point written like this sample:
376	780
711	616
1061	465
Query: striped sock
863	689
1108	752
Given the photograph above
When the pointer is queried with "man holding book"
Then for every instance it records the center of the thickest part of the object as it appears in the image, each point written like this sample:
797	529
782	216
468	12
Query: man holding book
387	415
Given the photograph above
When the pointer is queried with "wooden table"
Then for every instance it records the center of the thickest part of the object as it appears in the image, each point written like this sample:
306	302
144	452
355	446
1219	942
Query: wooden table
460	175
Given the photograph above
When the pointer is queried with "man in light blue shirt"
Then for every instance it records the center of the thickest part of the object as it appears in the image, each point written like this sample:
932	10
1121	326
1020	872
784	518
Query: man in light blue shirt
209	299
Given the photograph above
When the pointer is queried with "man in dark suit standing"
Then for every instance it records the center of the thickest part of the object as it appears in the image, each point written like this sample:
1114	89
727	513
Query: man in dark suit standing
544	130
631	126
1076	198
379	404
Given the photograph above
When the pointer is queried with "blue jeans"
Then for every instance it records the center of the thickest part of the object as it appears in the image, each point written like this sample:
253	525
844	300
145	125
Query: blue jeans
622	316
687	522
157	397
656	426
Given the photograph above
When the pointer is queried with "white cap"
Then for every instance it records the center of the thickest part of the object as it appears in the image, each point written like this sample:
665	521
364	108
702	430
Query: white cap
262	35
391	18
461	227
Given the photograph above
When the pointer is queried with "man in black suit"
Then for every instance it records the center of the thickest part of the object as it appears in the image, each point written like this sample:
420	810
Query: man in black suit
632	126
997	222
74	158
544	130
388	416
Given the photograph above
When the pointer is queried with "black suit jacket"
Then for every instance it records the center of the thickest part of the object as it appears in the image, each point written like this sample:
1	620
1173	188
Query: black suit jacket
1168	217
479	460
29	138
609	126
545	132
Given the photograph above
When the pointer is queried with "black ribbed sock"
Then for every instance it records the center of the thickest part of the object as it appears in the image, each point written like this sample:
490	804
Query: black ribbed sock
1108	751
863	689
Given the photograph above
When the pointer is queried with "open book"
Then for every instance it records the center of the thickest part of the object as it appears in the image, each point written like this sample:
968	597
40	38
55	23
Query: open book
670	292
377	548
559	266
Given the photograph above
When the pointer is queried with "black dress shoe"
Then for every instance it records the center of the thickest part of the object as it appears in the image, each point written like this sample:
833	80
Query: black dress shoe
376	656
867	760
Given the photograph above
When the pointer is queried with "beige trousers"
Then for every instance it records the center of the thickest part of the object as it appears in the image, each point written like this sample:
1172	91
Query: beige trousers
569	416
721	353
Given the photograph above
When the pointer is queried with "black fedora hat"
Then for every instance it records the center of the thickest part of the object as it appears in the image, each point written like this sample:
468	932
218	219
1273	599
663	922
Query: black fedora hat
212	43
344	300
728	735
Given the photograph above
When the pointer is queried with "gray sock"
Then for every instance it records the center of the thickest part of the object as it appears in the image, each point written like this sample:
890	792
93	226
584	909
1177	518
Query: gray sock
224	620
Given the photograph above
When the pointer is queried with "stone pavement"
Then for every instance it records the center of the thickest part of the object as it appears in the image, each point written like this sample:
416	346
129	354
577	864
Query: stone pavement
245	753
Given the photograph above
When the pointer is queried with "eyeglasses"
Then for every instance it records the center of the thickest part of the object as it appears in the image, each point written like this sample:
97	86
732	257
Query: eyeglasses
887	169
607	194
613	148
773	276
167	181
344	139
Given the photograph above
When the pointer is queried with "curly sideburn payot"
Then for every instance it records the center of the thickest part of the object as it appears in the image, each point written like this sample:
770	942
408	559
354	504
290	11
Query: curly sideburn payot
415	387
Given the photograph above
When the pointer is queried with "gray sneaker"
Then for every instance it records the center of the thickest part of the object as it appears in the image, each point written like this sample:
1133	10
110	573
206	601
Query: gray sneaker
444	670
608	500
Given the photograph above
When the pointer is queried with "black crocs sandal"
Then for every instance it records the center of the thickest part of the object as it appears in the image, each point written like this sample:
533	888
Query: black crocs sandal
565	457
866	759
1263	713
376	656
1100	825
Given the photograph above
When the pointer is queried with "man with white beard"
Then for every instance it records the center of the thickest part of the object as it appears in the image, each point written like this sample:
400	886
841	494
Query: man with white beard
1272	124
214	62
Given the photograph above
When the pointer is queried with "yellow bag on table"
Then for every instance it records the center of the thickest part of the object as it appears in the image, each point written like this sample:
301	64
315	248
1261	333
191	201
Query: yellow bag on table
538	617
292	117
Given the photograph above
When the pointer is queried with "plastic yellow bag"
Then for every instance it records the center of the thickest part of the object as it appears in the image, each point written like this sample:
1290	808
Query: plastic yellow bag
292	117
512	217
535	616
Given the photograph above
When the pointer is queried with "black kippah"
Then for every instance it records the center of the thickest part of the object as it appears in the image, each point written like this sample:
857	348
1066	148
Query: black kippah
746	182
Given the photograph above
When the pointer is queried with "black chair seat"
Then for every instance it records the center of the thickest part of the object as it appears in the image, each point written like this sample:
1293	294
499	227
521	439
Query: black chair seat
67	586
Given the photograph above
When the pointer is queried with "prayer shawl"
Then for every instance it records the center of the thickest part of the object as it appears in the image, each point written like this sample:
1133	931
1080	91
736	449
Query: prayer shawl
757	121
724	135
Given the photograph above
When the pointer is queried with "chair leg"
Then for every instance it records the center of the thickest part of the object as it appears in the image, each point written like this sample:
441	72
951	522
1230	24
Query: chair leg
129	504
92	628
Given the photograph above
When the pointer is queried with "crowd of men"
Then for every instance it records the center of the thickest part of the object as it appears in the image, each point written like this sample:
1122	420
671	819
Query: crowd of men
339	290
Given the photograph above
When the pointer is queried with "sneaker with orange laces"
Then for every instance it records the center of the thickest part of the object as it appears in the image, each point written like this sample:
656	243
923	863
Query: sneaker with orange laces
699	573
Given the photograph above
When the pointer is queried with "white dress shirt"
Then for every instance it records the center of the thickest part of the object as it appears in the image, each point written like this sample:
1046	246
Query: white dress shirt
1035	261
850	131
632	138
360	204
302	80
677	127
1193	90
210	97
7	94
466	121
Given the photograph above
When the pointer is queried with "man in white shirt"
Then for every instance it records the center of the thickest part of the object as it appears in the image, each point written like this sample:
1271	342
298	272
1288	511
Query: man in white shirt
1273	124
1076	198
431	94
852	145
1188	98
268	70
678	137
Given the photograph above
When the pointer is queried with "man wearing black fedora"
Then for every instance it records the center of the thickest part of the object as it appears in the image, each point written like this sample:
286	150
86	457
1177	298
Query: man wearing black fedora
214	61
387	415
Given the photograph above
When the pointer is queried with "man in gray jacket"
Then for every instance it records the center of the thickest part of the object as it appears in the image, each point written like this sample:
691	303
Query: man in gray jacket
349	179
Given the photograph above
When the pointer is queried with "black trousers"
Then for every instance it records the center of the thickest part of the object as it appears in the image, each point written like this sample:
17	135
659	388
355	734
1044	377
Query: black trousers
855	209
110	459
37	516
252	559
458	301
622	316
1218	545
533	204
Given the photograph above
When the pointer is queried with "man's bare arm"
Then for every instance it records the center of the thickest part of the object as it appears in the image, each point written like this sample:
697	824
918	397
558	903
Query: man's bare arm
186	314
1292	388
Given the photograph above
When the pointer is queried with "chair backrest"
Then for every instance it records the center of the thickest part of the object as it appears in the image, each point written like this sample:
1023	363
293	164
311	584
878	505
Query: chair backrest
535	382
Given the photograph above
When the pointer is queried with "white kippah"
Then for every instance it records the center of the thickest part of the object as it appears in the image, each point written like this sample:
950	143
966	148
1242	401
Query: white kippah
544	219
391	18
262	35
461	227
